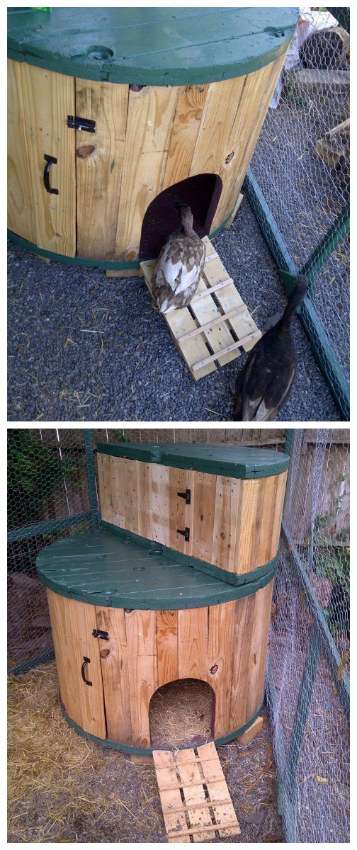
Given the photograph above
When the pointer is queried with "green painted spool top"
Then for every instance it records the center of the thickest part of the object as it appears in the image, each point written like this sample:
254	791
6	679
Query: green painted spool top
217	459
119	570
150	46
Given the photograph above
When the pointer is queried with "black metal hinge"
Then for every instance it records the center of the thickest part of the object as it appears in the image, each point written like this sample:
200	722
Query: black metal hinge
77	123
100	634
185	533
186	495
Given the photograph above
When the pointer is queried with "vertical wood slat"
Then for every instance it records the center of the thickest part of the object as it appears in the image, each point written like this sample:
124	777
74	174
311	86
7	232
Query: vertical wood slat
259	648
72	625
46	100
185	128
115	673
150	113
222	103
99	173
140	627
20	180
244	133
192	642
167	646
220	654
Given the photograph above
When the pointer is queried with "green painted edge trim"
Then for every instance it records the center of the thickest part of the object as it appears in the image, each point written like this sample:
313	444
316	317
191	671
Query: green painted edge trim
164	604
155	452
27	531
143	751
240	580
107	72
237	586
87	261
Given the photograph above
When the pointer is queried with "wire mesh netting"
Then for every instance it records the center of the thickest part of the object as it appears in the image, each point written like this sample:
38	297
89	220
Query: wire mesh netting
302	162
308	670
47	498
307	683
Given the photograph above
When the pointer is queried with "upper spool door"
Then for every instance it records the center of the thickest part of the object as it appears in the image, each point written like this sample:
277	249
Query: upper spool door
41	158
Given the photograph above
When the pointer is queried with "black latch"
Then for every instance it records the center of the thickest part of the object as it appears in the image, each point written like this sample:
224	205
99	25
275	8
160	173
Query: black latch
185	533
186	495
100	634
77	123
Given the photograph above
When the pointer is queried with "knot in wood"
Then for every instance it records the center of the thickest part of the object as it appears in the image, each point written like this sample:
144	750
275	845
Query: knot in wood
214	669
229	157
104	653
84	151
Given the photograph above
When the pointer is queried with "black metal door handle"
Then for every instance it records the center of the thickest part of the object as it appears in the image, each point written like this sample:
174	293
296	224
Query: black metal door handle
50	160
83	669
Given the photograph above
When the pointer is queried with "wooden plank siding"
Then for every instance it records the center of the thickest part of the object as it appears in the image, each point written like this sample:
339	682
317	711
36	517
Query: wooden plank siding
234	524
145	141
224	645
244	121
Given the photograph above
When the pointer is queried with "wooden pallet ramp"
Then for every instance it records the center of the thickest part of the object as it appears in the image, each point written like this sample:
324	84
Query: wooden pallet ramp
195	800
216	326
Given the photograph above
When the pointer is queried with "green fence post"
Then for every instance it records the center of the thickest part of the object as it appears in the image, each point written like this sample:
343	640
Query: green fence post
299	723
91	479
327	245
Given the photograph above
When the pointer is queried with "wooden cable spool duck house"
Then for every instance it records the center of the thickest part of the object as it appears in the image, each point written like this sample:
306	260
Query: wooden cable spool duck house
175	583
116	112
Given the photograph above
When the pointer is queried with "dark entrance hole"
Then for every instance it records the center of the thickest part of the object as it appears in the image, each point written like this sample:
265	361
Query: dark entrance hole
201	193
182	714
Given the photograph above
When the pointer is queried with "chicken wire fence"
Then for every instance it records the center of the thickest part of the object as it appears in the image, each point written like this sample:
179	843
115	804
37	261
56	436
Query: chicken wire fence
298	184
308	669
52	493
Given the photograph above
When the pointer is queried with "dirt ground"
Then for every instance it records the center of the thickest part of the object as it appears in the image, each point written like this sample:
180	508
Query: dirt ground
63	788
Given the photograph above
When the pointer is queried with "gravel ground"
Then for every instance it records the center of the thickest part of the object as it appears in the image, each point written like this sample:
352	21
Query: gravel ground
84	347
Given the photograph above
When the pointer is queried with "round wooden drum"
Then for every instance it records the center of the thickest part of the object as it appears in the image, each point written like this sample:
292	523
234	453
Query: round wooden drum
115	113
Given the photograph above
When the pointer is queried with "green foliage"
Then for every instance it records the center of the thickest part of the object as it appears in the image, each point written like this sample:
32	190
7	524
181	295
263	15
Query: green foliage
34	473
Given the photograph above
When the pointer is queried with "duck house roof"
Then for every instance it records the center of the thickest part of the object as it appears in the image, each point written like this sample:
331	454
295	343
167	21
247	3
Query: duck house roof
150	46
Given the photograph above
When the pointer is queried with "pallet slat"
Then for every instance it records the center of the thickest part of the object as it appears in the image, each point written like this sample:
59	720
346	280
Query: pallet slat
217	324
199	806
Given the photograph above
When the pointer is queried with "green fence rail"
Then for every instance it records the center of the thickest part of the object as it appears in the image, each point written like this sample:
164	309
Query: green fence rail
324	352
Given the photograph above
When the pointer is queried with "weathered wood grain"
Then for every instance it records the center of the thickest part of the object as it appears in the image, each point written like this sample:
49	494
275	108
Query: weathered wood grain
115	673
150	113
99	172
72	625
47	98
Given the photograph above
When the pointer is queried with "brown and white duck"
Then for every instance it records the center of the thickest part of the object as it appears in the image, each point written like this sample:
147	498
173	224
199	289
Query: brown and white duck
265	382
179	265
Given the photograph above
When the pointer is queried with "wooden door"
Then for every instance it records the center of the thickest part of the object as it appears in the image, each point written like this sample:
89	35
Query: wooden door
72	625
39	103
